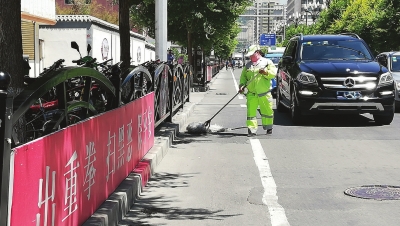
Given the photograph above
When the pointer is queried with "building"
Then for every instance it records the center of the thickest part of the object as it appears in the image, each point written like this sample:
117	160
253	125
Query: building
274	13
306	11
264	17
33	14
103	37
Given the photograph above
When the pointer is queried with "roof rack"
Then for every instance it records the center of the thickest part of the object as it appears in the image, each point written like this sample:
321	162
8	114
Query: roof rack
301	36
352	35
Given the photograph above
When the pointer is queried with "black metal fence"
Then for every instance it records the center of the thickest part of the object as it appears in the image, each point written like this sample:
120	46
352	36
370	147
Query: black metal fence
63	96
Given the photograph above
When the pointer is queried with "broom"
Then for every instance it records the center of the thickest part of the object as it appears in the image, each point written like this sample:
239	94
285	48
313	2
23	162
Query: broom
204	127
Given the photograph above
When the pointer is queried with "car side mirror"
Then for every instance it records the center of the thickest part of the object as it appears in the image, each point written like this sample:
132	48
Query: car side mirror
287	59
382	60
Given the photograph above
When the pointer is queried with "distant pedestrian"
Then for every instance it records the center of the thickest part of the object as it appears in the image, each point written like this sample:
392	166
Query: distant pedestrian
180	60
227	64
170	57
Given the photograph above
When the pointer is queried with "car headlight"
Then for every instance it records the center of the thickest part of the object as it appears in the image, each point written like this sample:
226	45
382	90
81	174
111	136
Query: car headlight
306	78
385	79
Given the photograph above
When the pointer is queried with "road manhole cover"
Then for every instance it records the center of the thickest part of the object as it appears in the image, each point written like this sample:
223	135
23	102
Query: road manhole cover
378	192
220	93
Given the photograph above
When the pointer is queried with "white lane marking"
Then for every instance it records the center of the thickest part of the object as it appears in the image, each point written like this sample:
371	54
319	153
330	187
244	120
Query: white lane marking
270	199
236	86
243	105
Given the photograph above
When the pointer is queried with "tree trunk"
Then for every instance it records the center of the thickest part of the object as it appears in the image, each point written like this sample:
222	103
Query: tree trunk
189	48
124	32
11	60
11	42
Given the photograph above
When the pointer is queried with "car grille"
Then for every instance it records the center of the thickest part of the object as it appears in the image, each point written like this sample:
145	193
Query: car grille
360	83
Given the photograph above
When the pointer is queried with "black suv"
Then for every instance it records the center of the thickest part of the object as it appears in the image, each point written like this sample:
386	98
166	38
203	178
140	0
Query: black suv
333	74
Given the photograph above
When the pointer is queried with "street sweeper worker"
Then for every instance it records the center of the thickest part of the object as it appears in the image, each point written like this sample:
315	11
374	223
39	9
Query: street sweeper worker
257	75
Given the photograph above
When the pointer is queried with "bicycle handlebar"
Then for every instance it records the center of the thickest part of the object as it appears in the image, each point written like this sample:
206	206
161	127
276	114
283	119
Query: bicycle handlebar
103	63
78	62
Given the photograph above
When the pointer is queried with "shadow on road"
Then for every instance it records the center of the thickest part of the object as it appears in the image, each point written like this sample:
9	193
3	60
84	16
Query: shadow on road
325	120
160	206
186	138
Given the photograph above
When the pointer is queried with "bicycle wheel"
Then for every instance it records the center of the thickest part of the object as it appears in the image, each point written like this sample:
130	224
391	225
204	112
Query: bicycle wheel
31	132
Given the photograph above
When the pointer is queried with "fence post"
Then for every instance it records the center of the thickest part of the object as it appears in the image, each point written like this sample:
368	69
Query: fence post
5	144
116	80
171	93
191	79
182	75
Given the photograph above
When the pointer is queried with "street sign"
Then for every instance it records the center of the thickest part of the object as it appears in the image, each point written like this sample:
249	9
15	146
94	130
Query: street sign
267	39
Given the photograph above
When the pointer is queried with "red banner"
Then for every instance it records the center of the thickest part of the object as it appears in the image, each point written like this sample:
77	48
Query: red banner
62	179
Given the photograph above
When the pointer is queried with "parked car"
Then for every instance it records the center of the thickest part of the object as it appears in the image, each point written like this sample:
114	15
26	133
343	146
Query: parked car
277	50
333	74
238	62
275	58
391	60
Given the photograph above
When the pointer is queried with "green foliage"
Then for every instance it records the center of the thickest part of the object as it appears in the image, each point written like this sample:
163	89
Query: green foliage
359	17
329	16
387	23
264	49
79	7
208	24
376	21
292	31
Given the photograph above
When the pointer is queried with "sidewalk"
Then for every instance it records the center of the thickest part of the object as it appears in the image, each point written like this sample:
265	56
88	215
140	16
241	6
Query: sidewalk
119	203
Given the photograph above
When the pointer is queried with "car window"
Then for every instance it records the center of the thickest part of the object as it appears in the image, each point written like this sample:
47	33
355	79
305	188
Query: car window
335	50
294	50
395	61
289	49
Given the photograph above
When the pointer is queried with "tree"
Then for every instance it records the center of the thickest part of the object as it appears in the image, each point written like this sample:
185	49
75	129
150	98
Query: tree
387	25
224	42
333	13
11	52
79	7
124	31
194	23
293	30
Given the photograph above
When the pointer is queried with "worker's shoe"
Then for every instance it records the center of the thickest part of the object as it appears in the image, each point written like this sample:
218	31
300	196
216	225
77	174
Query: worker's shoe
250	134
269	131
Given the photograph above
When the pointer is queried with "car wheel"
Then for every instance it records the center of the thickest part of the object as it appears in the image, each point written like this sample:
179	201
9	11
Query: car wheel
279	105
385	119
295	110
273	93
397	106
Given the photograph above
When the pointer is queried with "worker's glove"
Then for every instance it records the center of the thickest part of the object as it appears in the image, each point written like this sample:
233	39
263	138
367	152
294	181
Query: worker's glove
262	71
241	89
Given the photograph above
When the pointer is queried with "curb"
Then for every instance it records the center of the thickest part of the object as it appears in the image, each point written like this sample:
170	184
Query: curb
119	202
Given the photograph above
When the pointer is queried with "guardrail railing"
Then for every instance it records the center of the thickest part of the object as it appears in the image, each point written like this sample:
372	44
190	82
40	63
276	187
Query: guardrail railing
64	96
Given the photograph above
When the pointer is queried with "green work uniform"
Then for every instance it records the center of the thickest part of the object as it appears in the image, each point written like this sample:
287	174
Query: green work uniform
259	94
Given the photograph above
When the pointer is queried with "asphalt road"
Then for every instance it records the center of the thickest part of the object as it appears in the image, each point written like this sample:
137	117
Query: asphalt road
295	177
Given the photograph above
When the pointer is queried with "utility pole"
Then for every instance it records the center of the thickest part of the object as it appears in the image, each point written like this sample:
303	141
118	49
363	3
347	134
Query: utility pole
161	29
268	17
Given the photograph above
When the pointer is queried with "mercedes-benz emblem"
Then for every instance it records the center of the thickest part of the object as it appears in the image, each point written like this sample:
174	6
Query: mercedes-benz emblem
349	82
